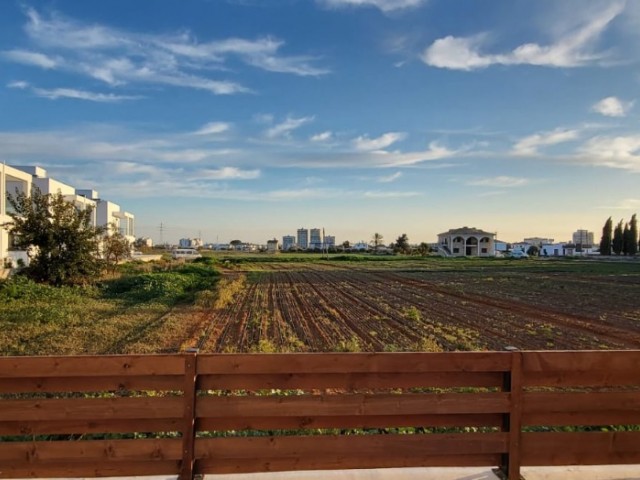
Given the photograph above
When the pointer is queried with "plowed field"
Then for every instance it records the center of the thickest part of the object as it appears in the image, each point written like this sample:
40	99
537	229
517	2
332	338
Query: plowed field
429	307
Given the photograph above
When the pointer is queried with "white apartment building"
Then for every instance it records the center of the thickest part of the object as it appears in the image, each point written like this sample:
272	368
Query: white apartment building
583	237
190	243
24	179
316	238
329	241
303	238
538	241
288	242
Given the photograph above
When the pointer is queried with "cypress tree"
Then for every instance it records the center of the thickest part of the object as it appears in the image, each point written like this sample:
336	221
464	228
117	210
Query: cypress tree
605	241
626	239
633	235
617	242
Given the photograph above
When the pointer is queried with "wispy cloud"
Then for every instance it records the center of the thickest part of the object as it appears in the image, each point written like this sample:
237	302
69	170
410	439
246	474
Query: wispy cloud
384	5
322	137
285	128
612	107
26	57
626	204
384	194
499	182
213	128
72	93
120	57
364	143
390	178
529	145
574	48
621	152
228	173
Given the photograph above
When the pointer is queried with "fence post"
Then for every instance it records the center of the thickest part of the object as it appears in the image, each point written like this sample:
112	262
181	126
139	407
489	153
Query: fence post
512	421
188	428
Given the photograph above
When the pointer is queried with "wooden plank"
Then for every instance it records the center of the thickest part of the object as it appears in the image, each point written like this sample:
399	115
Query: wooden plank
91	408
588	378
348	381
88	469
379	421
91	384
74	426
510	464
581	361
354	363
90	450
90	366
580	448
607	417
552	402
189	408
351	404
340	461
379	446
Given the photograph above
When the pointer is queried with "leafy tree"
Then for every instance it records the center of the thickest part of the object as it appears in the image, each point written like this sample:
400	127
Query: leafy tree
533	251
618	239
605	241
402	244
62	239
376	241
632	246
423	249
115	247
346	245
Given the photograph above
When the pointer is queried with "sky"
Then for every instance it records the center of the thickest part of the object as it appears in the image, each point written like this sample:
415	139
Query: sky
249	119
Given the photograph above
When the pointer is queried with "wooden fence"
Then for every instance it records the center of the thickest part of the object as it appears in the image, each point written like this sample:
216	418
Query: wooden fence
186	414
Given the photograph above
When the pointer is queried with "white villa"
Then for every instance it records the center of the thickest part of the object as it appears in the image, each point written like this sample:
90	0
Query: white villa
24	179
467	242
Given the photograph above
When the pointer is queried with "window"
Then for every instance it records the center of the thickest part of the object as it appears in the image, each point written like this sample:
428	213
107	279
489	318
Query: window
456	250
484	250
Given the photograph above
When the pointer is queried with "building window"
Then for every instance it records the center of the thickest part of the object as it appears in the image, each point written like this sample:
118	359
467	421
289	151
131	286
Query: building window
456	250
484	250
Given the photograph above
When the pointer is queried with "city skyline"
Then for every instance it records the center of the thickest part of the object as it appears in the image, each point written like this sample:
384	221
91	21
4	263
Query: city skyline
240	119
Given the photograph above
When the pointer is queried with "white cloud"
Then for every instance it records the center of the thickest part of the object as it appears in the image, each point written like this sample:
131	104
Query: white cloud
529	145
574	48
626	204
614	152
18	84
364	143
56	93
212	128
228	173
390	178
382	194
285	128
119	57
322	137
612	107
31	58
384	5
499	182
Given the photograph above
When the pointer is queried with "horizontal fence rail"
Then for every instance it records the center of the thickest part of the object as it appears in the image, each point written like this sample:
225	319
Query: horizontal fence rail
188	414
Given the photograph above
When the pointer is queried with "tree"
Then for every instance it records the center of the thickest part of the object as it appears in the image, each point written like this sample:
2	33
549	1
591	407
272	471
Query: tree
376	241
115	247
533	251
626	234
402	244
62	239
618	239
423	249
346	245
632	247
605	241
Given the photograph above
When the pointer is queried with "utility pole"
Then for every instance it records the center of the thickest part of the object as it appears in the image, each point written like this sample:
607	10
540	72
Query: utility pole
161	231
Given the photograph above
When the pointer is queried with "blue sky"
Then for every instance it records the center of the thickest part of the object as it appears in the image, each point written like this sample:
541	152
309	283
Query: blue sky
251	118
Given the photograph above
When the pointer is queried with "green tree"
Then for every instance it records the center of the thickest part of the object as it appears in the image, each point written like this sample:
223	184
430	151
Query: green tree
632	247
423	249
626	237
402	244
605	241
115	247
376	241
618	239
63	241
533	251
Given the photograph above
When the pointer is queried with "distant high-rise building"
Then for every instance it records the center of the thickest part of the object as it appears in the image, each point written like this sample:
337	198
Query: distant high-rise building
329	241
316	238
288	242
303	238
583	237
